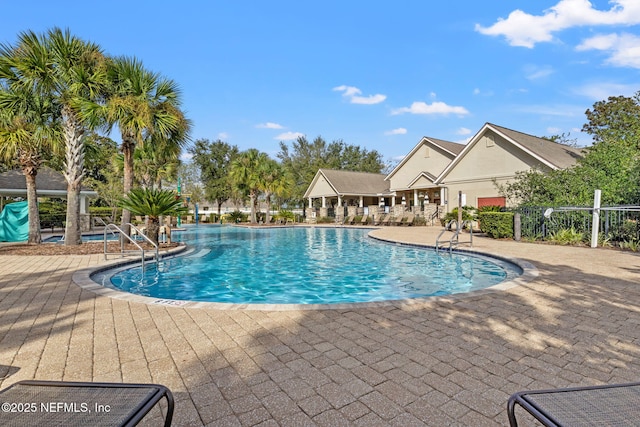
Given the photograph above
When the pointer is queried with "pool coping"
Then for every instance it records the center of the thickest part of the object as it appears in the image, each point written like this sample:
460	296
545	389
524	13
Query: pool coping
82	278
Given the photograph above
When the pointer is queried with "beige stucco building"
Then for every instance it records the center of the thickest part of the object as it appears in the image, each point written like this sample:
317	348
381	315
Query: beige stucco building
493	156
435	175
340	193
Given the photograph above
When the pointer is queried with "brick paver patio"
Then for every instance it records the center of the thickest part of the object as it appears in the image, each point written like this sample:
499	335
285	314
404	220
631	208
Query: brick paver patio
438	362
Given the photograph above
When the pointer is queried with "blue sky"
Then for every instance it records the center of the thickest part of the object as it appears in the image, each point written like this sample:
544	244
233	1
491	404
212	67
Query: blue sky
376	74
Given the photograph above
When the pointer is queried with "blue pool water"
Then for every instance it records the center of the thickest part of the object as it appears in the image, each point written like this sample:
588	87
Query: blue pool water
85	238
303	265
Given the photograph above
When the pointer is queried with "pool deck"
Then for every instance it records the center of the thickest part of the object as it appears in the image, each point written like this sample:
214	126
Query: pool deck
450	361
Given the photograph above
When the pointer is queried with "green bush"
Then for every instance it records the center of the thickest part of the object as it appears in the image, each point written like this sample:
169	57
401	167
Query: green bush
567	236
48	206
467	215
285	214
490	208
326	220
419	220
498	225
105	212
235	217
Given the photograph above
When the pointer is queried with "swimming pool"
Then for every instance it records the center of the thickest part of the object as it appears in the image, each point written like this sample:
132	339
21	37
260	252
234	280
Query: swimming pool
85	238
303	265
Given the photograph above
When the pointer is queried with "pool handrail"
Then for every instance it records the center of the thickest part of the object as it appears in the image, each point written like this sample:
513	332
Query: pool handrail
103	223
454	241
123	236
147	239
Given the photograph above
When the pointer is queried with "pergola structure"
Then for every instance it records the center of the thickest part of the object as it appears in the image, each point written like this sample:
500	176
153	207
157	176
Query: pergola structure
343	193
49	183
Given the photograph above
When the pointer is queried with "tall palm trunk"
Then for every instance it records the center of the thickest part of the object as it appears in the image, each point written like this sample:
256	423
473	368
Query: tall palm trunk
268	215
74	173
32	204
30	161
128	147
252	199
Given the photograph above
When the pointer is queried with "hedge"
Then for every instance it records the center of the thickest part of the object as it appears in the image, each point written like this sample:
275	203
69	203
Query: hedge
496	224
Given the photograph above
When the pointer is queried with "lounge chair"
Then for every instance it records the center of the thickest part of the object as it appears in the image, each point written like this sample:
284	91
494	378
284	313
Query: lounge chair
386	220
603	405
396	220
364	220
111	403
349	220
408	220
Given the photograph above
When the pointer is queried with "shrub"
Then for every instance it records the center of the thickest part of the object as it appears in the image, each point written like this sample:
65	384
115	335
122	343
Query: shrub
420	220
285	214
467	215
490	208
566	236
325	220
236	216
106	212
498	225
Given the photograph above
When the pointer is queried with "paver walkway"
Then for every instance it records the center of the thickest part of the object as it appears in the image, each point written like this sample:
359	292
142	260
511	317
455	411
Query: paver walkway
440	362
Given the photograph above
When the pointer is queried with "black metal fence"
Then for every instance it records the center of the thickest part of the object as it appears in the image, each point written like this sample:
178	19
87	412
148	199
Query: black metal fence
617	223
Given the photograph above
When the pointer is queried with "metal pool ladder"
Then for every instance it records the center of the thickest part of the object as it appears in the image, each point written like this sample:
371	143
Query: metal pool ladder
112	228
454	241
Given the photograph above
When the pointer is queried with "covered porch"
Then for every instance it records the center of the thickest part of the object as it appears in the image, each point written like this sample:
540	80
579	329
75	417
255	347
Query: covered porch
49	183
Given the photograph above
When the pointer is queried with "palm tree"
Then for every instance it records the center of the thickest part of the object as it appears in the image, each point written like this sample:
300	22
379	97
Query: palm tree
76	78
142	104
272	181
245	174
155	160
153	203
27	125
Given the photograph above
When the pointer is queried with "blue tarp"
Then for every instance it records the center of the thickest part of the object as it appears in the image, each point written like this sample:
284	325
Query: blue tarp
14	222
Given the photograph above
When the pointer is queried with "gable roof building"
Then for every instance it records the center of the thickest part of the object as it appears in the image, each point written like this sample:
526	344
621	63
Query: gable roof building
49	183
493	156
436	174
340	187
415	176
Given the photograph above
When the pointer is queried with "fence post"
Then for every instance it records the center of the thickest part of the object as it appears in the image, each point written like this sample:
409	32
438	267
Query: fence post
595	224
517	227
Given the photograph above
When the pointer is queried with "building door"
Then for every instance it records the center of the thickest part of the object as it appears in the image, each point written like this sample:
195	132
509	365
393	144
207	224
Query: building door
492	201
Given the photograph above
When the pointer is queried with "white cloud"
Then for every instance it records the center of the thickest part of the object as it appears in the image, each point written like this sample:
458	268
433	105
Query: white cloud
269	125
624	49
353	94
603	90
437	107
222	136
523	29
535	72
553	131
463	131
398	131
478	92
288	136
